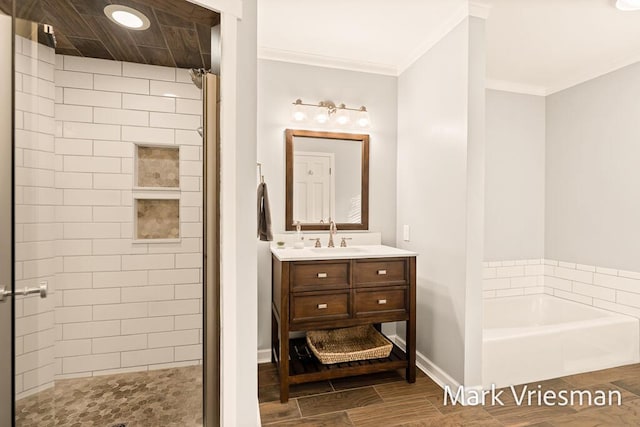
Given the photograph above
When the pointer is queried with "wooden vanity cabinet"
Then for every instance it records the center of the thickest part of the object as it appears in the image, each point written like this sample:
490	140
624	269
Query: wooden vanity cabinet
311	295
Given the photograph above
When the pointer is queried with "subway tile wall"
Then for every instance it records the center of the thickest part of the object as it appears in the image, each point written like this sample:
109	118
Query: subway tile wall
122	305
512	278
602	287
36	228
119	306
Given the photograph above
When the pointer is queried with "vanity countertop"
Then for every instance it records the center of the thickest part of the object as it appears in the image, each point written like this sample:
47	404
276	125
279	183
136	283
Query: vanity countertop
315	254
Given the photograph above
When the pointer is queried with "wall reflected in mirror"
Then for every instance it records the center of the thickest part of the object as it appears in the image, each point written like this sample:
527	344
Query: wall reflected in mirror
327	179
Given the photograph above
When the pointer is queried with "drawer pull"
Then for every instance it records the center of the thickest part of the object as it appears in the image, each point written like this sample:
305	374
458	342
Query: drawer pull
322	275
382	272
322	306
382	301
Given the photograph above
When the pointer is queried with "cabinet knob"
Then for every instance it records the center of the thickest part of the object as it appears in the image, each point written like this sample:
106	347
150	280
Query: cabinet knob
382	272
322	306
382	301
322	275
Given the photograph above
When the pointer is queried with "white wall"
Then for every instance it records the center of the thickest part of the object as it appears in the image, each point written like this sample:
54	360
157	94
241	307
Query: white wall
592	173
515	168
36	228
245	377
440	155
280	84
124	306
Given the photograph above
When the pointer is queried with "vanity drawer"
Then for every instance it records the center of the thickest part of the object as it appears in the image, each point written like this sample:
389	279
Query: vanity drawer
320	275
381	300
318	305
381	272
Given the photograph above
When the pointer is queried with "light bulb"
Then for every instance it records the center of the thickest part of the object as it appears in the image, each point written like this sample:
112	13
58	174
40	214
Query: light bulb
298	112
342	115
363	118
322	115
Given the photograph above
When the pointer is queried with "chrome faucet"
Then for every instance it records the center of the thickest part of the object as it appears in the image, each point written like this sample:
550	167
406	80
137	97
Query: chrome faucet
333	230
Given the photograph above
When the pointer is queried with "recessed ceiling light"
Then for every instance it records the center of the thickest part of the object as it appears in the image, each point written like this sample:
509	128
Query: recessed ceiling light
627	5
127	17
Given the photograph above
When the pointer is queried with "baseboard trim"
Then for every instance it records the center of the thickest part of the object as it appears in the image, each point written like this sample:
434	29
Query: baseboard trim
264	356
430	369
434	372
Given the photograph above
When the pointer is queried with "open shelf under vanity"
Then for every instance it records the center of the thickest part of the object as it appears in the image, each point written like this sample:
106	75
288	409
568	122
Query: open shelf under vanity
305	367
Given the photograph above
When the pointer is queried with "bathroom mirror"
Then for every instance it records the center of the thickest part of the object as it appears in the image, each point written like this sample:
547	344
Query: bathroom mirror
327	178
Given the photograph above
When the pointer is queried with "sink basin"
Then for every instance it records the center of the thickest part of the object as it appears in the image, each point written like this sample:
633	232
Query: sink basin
338	250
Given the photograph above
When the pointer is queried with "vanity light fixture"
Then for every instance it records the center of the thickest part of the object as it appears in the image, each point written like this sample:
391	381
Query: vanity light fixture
325	111
127	17
628	5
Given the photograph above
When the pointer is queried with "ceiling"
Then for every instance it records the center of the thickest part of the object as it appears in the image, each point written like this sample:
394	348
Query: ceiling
357	34
533	46
545	46
179	36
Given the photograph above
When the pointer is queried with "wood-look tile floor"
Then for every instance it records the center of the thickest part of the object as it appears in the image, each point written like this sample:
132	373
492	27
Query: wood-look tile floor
384	400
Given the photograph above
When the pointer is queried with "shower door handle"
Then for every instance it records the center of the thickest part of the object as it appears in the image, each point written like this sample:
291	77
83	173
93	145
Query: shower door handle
42	290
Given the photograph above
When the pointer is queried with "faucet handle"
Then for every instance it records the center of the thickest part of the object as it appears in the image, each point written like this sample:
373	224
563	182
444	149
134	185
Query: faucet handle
317	244
343	243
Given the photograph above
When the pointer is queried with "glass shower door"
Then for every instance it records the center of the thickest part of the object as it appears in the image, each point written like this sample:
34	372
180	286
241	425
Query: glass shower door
34	226
131	327
6	268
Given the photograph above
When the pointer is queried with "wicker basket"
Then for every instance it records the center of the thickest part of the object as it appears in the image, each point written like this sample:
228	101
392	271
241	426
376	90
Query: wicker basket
348	344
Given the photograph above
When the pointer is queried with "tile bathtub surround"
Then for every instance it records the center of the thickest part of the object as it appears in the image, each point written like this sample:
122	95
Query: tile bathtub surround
602	287
124	306
511	278
35	219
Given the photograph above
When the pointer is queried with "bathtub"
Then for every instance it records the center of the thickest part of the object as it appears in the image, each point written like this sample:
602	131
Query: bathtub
537	337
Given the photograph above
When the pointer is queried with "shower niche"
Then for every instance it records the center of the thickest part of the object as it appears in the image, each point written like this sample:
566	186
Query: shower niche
157	167
156	195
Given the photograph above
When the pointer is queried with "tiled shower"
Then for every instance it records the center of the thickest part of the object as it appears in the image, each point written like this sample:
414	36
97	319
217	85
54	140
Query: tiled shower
117	302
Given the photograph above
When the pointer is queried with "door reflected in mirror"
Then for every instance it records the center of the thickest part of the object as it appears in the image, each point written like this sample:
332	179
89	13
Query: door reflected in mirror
327	179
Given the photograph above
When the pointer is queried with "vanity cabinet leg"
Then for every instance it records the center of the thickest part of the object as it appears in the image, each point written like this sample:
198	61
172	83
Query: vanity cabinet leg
284	369
274	336
411	352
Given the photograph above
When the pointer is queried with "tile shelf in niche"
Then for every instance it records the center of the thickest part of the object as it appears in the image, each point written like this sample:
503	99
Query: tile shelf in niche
157	167
157	220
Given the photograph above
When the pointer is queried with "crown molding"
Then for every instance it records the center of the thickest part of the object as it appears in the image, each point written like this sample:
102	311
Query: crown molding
474	9
507	86
479	10
326	61
563	84
454	20
582	77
